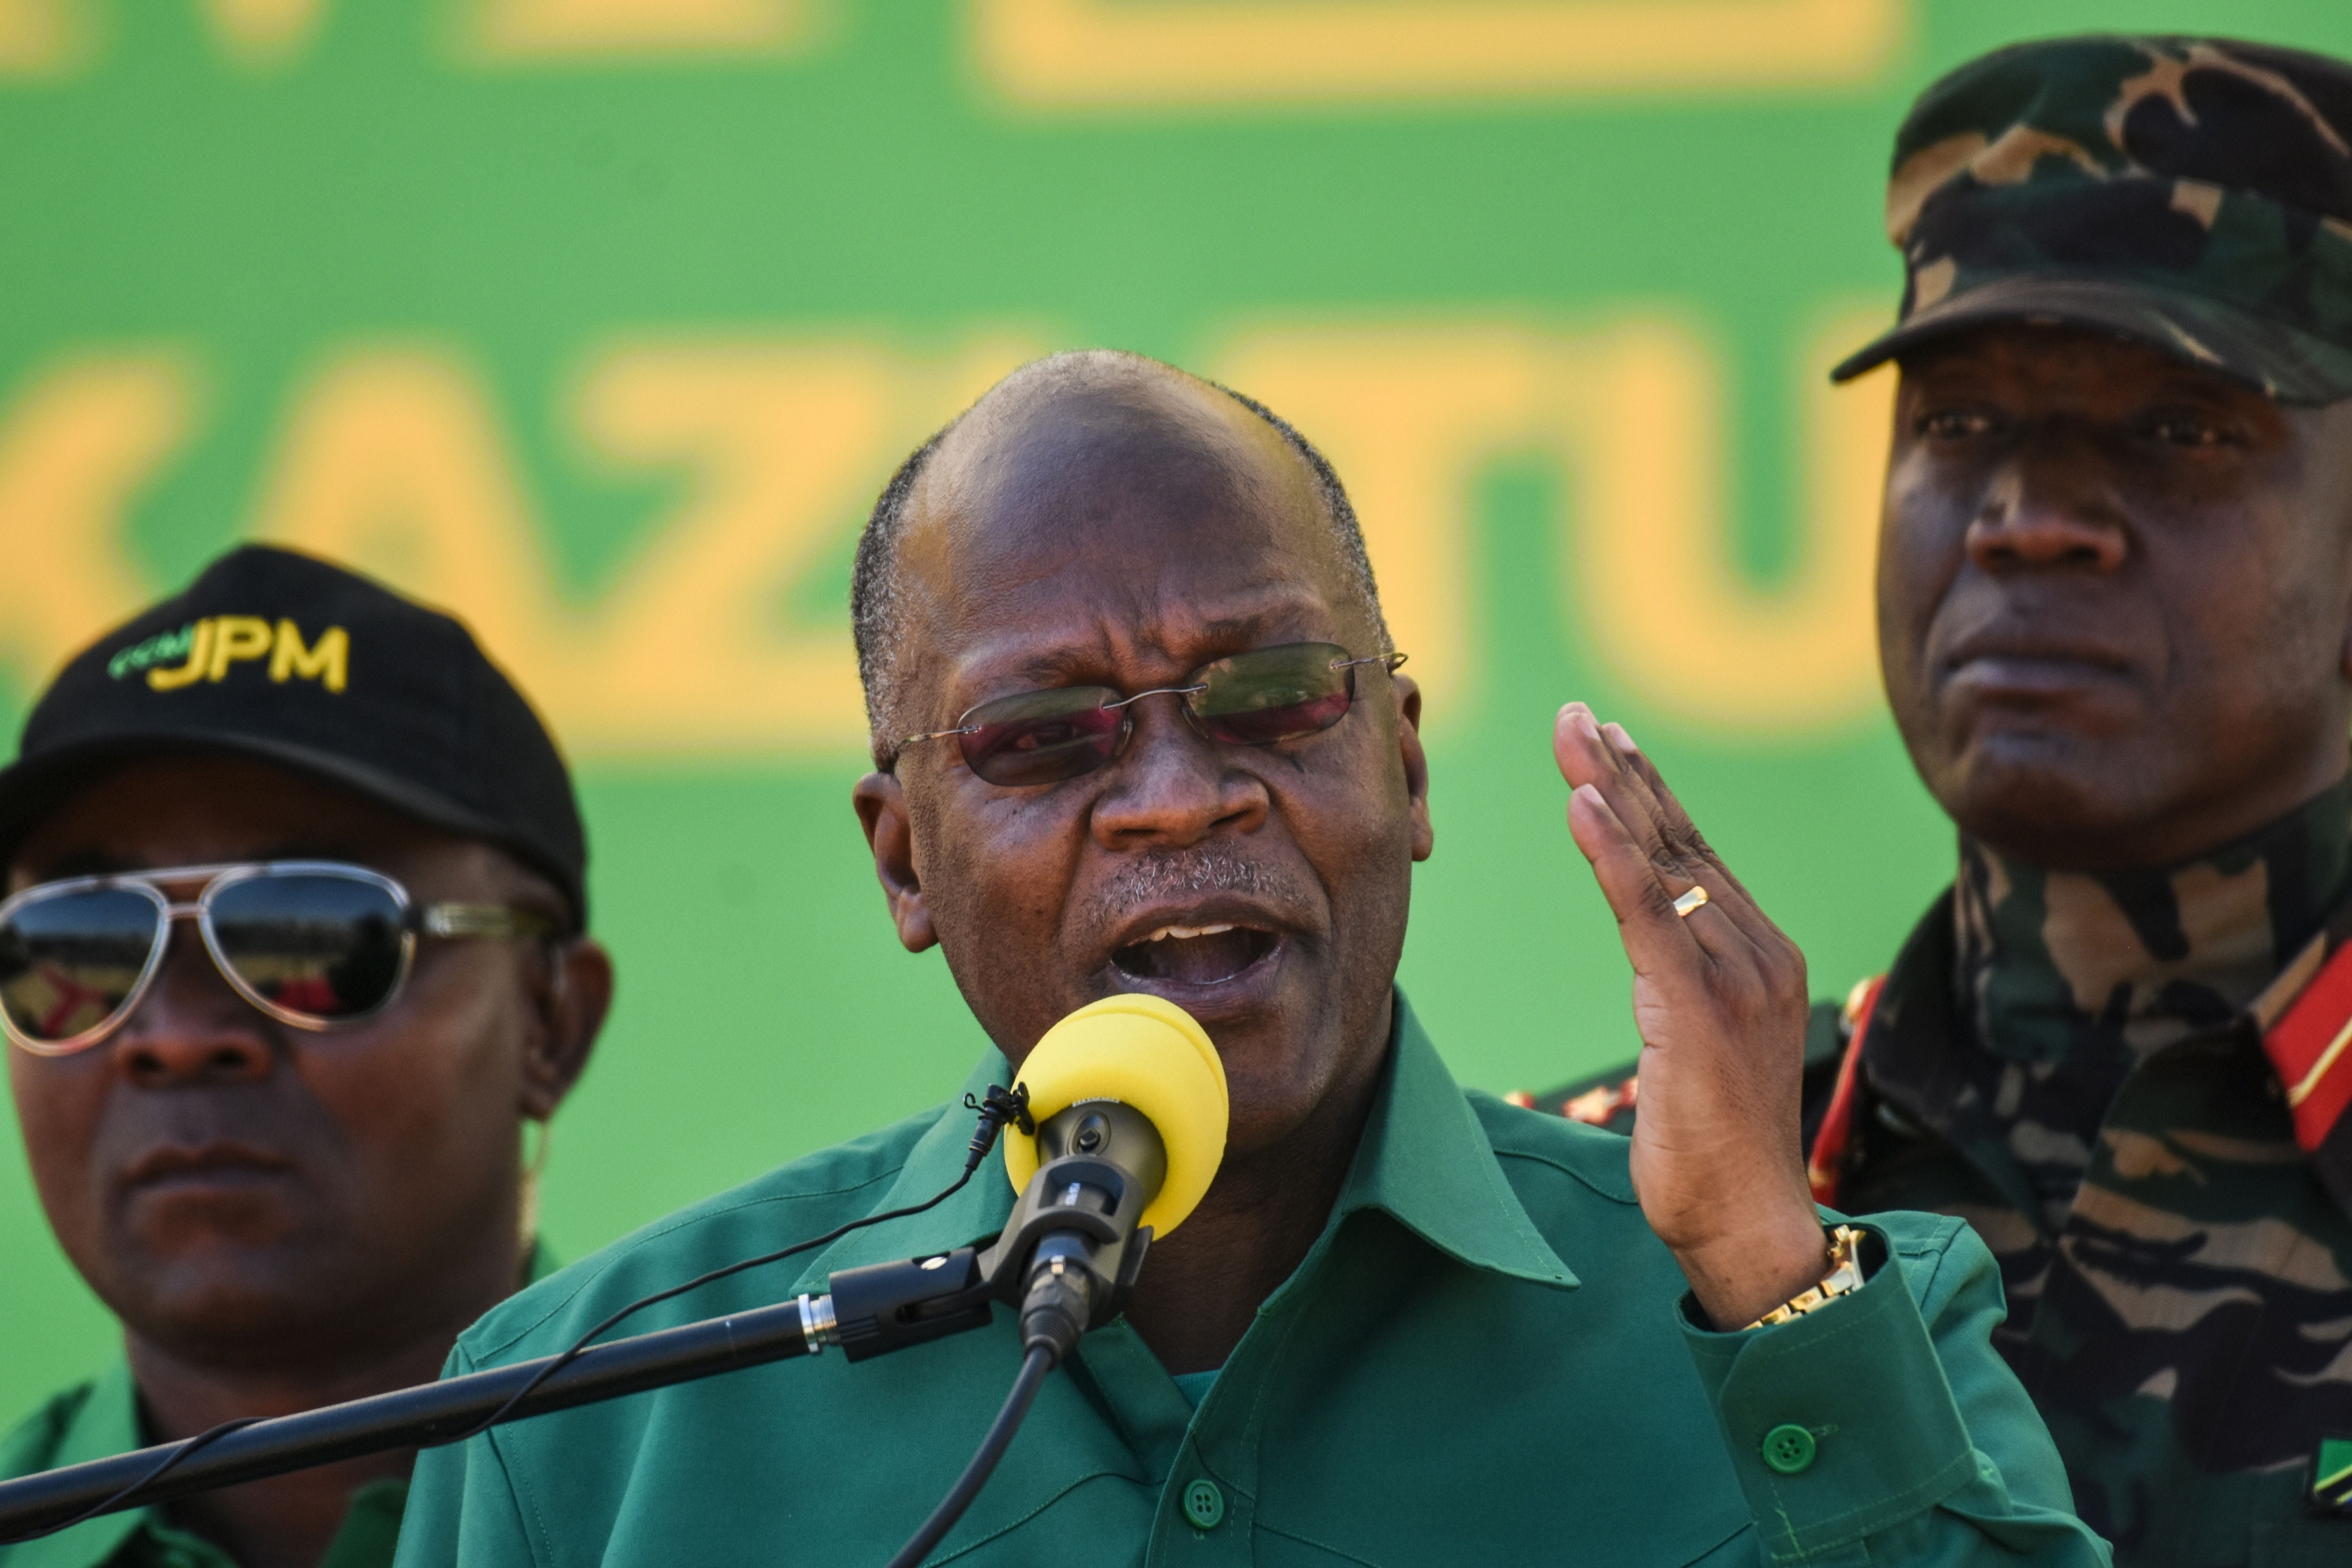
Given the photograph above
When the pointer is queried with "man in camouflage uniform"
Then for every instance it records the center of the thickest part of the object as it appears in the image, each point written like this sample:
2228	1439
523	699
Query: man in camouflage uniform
2115	619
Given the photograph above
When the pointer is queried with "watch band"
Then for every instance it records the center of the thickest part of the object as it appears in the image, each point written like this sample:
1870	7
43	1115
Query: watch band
1844	1278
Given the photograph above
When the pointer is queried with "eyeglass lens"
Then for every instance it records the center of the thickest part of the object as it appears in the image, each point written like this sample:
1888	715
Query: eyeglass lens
321	946
1042	737
1273	694
67	963
1253	699
324	946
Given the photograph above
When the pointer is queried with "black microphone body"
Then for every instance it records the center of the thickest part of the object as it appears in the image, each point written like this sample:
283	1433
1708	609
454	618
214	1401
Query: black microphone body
1071	1252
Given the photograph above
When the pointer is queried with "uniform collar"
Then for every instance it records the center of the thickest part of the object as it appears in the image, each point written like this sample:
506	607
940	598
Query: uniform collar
2090	971
1424	1161
1915	1057
2305	1018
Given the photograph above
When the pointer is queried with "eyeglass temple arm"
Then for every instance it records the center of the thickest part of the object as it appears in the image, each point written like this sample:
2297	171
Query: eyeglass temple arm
939	734
485	921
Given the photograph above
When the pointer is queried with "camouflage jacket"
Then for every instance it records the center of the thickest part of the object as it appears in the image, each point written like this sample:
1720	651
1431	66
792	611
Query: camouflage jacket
2174	1222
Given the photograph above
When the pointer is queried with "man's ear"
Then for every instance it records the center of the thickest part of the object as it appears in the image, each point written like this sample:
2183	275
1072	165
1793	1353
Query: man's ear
882	809
574	995
1416	762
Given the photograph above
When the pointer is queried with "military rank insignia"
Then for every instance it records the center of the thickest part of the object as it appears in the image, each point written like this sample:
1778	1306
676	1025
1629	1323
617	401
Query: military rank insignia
2331	1477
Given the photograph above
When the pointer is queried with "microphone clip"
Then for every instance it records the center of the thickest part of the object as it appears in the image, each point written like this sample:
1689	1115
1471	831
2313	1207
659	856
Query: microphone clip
1067	1258
1000	1106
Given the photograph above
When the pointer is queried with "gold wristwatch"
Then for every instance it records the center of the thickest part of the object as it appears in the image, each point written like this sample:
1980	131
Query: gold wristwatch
1844	1278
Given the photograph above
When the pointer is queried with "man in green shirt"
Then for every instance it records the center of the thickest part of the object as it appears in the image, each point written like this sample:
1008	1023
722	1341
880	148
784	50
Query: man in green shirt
1138	728
291	944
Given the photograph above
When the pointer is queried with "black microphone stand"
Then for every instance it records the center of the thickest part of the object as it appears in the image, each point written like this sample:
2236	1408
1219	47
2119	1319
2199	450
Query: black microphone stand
415	1417
1067	1260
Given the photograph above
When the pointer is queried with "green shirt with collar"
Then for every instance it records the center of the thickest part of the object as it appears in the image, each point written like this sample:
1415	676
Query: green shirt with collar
1486	1356
100	1418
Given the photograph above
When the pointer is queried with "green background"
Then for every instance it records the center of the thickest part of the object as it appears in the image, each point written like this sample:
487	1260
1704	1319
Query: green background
161	192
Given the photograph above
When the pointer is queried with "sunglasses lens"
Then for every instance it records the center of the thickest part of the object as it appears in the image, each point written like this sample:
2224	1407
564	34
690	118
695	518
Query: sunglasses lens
69	961
313	943
1043	737
1274	694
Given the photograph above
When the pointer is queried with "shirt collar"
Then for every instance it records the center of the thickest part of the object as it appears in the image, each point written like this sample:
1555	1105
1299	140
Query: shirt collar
106	1424
1424	1161
978	1210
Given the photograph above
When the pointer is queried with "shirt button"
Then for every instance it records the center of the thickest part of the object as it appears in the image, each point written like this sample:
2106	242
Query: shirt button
1204	1505
1788	1449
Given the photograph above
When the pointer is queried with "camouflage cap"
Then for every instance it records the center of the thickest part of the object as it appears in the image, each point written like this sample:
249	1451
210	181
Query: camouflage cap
2194	194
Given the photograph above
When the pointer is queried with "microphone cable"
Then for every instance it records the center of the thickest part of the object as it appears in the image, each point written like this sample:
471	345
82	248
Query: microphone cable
999	1107
1040	1361
180	1450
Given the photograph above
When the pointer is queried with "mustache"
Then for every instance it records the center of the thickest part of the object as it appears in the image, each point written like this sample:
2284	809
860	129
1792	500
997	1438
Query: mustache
1152	879
274	1117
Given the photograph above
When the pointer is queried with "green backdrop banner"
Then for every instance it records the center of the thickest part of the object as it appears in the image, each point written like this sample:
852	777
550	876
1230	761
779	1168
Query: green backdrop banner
601	320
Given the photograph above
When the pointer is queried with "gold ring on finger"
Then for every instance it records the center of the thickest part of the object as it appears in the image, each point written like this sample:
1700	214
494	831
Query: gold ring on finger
1694	900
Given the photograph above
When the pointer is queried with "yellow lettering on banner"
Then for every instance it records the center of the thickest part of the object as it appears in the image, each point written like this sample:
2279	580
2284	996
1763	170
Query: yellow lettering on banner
328	661
1112	54
1406	416
42	38
539	31
264	32
76	443
1410	415
392	462
789	445
1662	595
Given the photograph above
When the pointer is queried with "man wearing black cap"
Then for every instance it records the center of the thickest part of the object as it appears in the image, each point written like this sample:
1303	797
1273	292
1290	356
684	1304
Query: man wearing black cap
293	943
2115	620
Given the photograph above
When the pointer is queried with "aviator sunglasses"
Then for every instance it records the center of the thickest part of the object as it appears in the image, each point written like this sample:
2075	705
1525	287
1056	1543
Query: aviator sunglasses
313	943
1254	699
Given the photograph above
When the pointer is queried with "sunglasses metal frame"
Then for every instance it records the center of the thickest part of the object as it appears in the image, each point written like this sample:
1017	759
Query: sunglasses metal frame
455	921
1389	657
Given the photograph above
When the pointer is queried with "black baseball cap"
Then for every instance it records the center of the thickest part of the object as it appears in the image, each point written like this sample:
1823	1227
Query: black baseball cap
279	656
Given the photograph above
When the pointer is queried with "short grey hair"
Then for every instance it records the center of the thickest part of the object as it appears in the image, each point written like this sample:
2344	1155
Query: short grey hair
878	600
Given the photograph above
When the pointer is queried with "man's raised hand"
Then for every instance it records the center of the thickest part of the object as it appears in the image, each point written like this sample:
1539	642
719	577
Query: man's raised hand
1720	1003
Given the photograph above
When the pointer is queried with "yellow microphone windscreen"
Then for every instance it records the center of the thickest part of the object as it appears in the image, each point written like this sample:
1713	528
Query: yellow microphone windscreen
1151	1055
